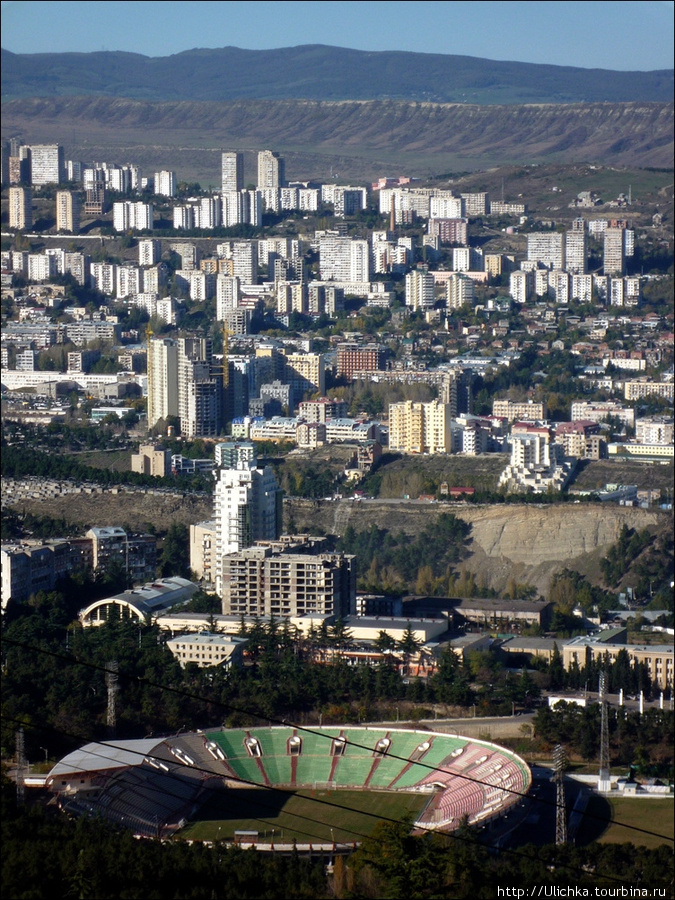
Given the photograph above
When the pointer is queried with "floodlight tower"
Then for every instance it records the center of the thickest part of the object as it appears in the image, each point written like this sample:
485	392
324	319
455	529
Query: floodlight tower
603	774
560	811
112	683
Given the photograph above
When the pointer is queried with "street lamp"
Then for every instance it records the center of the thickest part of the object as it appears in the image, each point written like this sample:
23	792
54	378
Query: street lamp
46	753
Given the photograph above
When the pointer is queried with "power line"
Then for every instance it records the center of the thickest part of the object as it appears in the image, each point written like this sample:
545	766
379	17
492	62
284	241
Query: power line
71	660
381	818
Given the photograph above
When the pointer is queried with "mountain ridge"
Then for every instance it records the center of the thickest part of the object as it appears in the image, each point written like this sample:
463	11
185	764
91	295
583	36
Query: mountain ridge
321	72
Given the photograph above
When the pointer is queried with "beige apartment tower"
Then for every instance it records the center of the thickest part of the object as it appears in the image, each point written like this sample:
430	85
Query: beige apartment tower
420	427
67	211
20	208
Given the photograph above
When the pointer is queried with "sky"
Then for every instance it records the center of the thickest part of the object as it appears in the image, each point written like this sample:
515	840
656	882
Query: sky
607	35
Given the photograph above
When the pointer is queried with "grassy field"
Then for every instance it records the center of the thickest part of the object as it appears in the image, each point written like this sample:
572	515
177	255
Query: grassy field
304	816
652	815
113	460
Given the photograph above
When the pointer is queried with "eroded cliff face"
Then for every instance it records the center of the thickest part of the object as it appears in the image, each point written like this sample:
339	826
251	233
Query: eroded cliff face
632	134
528	543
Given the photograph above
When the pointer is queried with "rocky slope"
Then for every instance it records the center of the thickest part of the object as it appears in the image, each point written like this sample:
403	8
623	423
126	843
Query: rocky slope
528	543
360	138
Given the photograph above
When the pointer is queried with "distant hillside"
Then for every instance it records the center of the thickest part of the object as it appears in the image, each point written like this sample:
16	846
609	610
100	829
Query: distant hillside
355	139
317	72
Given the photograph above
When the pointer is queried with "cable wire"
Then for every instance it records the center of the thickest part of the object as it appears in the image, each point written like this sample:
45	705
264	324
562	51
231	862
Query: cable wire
70	659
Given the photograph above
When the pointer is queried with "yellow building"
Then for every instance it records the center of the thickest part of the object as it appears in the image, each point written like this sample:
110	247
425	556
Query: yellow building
420	427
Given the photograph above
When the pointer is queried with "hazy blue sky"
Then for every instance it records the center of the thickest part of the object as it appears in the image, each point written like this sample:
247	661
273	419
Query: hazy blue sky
608	35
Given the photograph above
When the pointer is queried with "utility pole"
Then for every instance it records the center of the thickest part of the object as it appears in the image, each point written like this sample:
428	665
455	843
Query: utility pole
560	811
603	774
112	683
20	769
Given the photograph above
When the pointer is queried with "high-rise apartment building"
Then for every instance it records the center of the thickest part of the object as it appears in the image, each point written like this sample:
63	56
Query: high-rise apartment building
165	183
247	508
128	216
353	358
343	259
460	290
547	248
576	250
271	171
521	286
419	290
232	171
68	211
103	277
264	581
614	258
20	208
306	373
420	427
47	164
149	252
450	231
162	379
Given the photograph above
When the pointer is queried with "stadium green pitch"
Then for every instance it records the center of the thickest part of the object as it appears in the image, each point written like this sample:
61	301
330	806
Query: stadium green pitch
305	816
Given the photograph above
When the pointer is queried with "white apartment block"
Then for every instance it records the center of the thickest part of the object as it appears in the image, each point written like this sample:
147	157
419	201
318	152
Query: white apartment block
308	199
460	291
41	266
130	216
232	169
446	207
210	210
184	217
165	183
270	170
149	252
228	294
461	259
547	248
521	286
654	430
343	259
559	286
288	198
47	164
420	427
129	280
576	251
600	411
419	290
582	288
247	508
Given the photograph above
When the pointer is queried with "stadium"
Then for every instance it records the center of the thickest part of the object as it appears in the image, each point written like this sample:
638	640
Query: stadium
283	782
